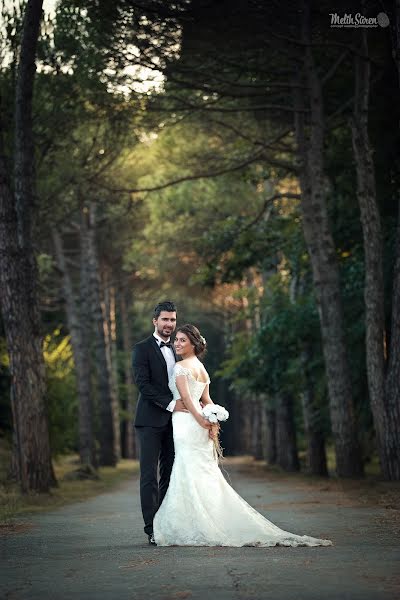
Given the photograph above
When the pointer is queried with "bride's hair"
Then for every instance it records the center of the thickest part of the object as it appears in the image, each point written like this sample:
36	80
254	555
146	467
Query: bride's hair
195	338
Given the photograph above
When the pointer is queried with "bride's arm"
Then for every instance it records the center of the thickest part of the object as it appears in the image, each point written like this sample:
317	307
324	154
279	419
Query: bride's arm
205	397
183	389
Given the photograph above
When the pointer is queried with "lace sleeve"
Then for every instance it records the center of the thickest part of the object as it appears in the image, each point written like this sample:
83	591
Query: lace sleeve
179	370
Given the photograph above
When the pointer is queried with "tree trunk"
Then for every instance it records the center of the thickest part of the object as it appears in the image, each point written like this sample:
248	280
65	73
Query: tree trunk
316	454
107	447
110	332
391	440
316	463
271	436
256	429
286	446
230	431
129	439
246	418
80	348
86	319
24	164
387	422
14	473
391	434
396	37
18	279
322	253
263	425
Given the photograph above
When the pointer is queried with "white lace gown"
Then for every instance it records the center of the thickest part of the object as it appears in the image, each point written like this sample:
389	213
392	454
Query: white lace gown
200	508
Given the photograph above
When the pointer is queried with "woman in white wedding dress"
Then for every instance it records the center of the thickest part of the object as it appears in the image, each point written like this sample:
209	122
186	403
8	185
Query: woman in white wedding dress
200	508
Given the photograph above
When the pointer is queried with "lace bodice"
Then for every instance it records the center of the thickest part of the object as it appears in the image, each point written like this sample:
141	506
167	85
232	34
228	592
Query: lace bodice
196	387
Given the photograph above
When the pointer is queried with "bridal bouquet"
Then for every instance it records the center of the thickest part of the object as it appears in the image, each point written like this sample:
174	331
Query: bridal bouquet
214	413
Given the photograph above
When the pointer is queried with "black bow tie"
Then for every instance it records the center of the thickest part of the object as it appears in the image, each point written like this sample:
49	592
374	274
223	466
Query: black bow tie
168	344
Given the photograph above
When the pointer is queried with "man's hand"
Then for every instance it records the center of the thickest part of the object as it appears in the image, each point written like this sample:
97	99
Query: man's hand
180	407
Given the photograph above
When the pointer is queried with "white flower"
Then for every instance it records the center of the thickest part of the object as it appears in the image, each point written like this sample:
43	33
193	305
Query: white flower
222	414
203	339
207	410
215	413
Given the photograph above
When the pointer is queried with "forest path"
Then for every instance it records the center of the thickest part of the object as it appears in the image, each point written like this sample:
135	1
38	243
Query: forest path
96	549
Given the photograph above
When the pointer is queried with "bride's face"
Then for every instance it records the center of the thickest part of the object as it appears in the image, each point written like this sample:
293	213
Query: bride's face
183	346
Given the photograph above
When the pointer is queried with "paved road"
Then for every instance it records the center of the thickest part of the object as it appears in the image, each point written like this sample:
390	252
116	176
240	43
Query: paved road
96	550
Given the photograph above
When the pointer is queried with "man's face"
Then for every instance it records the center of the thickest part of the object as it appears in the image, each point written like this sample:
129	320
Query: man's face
165	324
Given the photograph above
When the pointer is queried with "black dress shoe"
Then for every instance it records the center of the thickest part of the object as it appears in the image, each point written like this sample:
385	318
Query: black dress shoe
152	541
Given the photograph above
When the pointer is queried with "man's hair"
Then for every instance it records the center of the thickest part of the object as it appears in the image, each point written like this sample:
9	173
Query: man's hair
167	305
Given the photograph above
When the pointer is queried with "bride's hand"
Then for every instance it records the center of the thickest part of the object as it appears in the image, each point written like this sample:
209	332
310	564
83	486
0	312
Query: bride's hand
203	422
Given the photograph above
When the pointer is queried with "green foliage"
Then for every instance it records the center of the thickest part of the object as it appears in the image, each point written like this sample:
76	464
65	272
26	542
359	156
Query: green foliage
236	263
61	393
186	223
268	360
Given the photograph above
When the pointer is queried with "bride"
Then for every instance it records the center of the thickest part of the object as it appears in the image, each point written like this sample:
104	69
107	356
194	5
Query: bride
200	508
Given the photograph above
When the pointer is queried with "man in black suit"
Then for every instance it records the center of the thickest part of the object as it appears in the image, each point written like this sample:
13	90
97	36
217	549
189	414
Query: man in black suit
153	362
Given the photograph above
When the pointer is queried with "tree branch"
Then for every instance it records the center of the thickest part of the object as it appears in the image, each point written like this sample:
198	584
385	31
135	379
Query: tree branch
267	202
206	175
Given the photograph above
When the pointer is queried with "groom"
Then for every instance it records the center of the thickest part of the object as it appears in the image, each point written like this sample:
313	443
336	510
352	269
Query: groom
153	361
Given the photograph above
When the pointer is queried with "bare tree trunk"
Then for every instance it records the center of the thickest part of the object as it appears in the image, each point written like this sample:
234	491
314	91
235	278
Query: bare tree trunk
231	430
110	334
316	453
86	319
256	429
14	473
107	447
80	348
387	424
24	165
271	436
286	446
396	48
129	441
114	368
392	384
322	253
246	414
263	425
316	463
252	417
18	279
391	436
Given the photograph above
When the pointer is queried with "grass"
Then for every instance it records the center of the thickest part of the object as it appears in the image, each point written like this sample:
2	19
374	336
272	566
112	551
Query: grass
13	503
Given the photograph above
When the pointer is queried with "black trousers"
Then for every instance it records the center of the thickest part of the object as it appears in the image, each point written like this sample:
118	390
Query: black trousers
156	454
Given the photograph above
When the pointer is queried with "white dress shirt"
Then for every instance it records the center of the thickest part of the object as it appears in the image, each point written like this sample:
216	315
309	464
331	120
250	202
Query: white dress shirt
169	358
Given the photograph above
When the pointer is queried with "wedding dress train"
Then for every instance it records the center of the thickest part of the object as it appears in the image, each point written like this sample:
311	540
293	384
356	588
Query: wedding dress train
200	508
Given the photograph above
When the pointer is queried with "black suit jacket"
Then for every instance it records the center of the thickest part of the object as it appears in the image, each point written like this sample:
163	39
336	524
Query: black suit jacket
151	377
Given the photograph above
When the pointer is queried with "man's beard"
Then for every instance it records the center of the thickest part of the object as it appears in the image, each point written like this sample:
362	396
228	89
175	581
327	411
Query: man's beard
161	333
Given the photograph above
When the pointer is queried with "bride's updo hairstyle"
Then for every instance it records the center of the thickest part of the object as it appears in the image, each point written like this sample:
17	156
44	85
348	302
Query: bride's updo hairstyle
195	338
